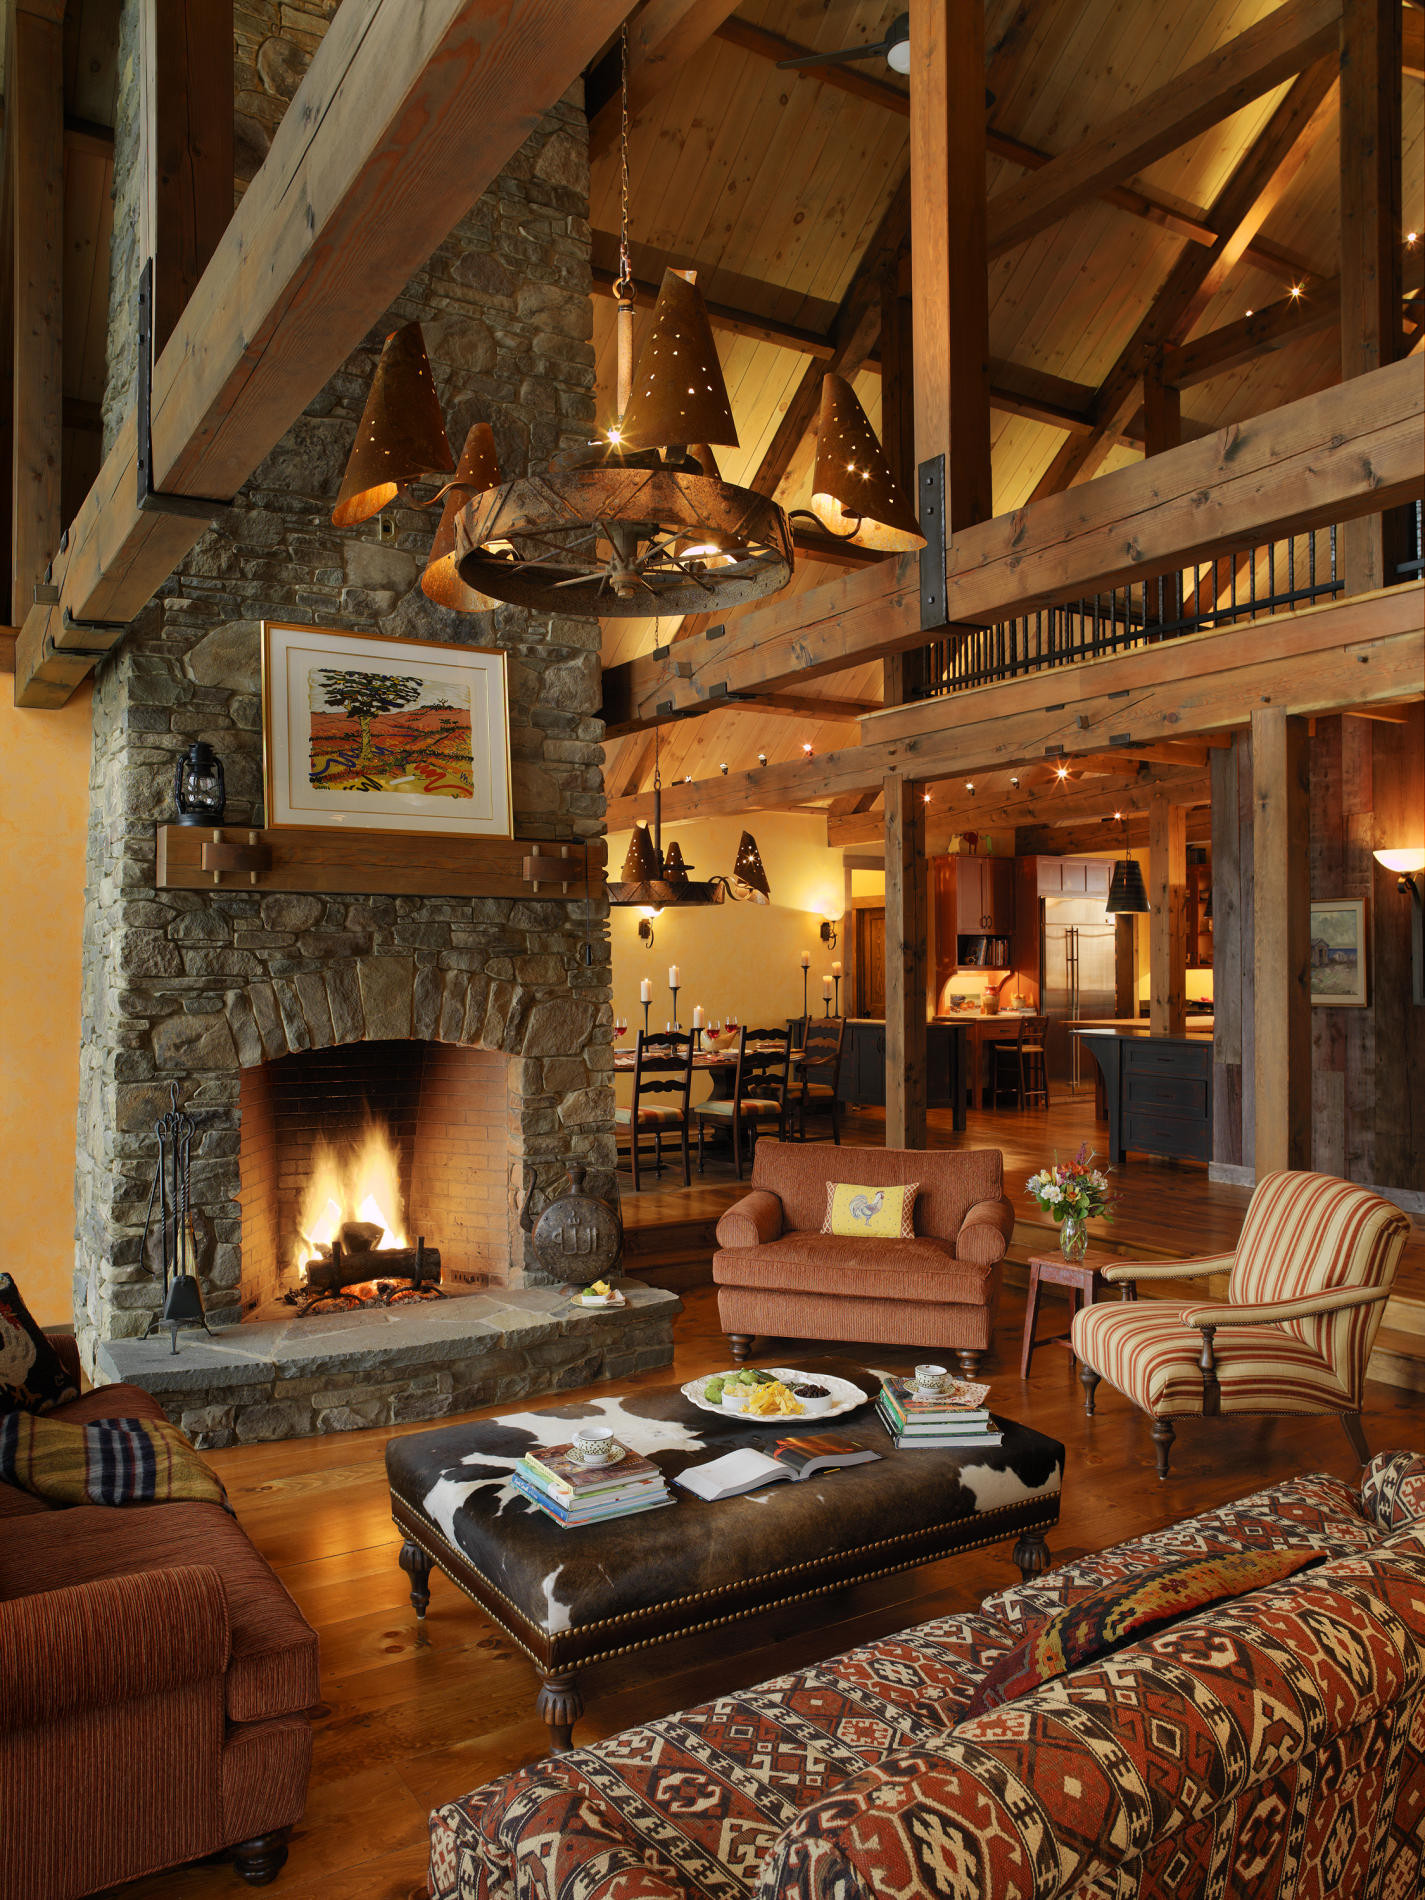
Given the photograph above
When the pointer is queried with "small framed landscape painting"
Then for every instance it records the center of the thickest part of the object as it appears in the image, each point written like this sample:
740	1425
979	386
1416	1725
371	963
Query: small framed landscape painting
1338	953
365	733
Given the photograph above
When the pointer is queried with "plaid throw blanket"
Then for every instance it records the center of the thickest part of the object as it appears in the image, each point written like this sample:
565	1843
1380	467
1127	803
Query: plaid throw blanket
115	1461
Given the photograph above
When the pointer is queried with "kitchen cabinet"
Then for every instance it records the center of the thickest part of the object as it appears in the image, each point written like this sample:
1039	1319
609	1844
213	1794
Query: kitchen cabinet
1158	1091
1074	877
984	896
863	1066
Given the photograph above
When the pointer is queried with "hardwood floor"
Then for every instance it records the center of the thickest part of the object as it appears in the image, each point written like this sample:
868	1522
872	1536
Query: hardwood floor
414	1718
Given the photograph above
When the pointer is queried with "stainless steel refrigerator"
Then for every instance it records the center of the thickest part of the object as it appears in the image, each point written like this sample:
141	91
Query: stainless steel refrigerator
1076	956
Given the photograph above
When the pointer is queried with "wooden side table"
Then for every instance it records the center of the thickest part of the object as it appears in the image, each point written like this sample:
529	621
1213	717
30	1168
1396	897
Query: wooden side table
1086	1283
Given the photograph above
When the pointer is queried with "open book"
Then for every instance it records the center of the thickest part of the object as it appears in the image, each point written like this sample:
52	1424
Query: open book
797	1458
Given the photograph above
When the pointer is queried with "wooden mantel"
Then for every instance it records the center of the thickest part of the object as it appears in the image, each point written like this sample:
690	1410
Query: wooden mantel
375	863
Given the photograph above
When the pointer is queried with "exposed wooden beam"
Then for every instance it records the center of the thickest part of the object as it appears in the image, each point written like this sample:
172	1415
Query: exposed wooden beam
1412	43
1281	941
803	706
1342	452
1347	654
35	81
1206	93
724	316
661	39
1001	809
1270	328
1101	834
1370	191
814	546
1238	211
950	288
1167	891
1139	201
188	145
907	931
403	117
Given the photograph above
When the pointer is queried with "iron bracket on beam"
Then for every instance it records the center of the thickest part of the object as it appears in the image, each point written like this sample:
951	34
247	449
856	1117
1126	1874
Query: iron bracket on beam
932	556
150	499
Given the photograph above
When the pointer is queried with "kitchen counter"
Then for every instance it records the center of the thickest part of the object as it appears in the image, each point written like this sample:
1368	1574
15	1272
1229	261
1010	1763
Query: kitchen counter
1157	1089
1138	1025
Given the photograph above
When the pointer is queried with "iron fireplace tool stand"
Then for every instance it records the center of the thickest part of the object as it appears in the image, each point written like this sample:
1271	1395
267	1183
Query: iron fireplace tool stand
172	1189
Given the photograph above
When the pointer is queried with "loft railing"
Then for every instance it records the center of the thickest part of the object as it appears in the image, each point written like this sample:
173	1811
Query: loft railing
1226	591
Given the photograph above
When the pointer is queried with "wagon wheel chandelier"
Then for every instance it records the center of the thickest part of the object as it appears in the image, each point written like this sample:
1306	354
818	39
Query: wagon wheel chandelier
638	522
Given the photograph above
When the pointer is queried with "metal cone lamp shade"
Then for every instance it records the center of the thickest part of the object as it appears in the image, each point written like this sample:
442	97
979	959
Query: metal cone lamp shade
749	869
678	396
674	868
1127	894
401	435
478	470
854	494
641	865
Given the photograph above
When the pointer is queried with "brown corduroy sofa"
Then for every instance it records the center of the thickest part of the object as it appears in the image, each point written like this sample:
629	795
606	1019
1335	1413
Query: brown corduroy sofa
155	1678
778	1274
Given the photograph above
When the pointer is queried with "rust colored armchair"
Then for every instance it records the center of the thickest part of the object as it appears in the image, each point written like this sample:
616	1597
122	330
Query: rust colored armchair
155	1678
777	1273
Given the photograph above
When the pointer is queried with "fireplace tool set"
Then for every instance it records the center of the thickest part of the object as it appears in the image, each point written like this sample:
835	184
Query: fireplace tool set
172	1190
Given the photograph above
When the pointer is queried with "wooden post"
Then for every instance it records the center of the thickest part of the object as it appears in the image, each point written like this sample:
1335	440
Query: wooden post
900	672
1370	235
1227	951
34	97
848	941
1282	942
1167	891
906	931
950	288
1125	966
1162	410
188	144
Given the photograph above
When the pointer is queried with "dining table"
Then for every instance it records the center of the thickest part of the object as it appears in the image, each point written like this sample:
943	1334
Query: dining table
719	1065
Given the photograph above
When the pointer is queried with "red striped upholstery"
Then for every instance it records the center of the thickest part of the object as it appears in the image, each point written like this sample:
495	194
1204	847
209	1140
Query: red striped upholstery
651	1116
1304	1235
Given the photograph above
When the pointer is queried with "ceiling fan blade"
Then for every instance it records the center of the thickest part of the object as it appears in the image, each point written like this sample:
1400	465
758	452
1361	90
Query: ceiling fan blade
841	58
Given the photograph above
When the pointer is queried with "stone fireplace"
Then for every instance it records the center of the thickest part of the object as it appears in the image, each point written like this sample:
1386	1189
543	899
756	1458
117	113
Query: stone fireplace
480	1026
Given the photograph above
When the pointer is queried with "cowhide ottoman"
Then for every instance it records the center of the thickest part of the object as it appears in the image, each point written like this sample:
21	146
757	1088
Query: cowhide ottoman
570	1598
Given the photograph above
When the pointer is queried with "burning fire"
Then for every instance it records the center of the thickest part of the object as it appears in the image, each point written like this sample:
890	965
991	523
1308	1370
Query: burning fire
362	1183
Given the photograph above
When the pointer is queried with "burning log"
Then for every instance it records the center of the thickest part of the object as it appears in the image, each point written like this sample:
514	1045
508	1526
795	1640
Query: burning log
354	1257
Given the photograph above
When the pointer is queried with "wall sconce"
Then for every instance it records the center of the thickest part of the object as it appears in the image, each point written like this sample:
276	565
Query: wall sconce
1408	865
828	931
645	929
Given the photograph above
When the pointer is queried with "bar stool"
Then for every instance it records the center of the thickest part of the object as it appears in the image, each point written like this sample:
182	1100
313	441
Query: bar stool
1025	1061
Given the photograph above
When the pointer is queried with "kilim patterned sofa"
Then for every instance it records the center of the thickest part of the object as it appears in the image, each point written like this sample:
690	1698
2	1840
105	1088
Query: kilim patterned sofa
1271	1748
154	1682
777	1273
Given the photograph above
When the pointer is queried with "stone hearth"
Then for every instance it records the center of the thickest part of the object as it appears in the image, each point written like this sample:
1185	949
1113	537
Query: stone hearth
346	1371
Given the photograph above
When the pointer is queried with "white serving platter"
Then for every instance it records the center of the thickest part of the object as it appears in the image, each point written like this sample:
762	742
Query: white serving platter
842	1397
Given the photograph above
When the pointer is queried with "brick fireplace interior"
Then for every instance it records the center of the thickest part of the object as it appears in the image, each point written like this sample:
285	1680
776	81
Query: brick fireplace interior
443	1110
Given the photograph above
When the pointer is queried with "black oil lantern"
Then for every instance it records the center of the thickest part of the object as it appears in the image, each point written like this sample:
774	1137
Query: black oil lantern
198	786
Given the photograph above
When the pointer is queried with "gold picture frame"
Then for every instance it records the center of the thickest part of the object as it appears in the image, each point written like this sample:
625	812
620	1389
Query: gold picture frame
1338	954
363	732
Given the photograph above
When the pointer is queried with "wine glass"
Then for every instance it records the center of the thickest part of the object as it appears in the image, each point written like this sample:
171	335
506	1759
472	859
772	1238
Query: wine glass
620	1027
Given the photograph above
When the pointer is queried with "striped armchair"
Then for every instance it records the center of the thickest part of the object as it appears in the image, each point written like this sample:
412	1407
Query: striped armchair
1306	1289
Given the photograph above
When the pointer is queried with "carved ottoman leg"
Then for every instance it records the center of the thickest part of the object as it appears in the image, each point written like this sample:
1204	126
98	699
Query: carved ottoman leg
969	1360
1088	1379
260	1859
560	1705
741	1344
1031	1553
1163	1436
416	1565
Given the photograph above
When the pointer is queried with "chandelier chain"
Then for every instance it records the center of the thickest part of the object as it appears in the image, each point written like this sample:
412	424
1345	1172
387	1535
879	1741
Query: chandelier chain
624	286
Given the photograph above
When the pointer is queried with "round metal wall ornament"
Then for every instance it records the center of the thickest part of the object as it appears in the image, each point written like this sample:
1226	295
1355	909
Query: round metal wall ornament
578	1237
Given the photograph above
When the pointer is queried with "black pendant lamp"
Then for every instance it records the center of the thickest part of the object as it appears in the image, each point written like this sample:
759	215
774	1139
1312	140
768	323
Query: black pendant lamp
1127	893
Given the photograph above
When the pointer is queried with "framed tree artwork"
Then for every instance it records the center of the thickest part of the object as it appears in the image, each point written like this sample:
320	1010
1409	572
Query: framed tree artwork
365	733
1338	953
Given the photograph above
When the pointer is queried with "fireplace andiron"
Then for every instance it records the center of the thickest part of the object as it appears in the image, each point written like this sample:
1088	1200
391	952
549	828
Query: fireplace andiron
172	1189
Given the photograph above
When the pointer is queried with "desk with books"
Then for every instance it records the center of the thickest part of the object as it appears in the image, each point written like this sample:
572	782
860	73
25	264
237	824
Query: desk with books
571	1597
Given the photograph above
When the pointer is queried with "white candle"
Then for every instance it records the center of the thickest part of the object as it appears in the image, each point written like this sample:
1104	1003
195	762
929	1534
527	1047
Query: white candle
674	980
826	986
697	1016
645	991
836	969
806	960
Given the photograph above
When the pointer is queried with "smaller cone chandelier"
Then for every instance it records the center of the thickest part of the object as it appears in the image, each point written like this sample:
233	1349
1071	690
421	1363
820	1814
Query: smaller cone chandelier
658	879
401	435
478	470
854	494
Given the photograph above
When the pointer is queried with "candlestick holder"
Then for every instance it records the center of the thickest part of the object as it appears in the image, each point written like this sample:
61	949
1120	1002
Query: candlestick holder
826	1005
646	1008
836	1008
806	1007
673	989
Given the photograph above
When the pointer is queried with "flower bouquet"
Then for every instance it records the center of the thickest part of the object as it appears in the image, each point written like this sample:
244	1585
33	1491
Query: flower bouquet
1074	1193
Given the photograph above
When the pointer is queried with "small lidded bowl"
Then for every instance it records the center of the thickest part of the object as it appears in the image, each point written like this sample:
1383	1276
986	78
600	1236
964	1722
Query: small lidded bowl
735	1397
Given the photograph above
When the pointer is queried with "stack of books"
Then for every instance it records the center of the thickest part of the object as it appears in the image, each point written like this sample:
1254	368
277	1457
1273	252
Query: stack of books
573	1493
955	1417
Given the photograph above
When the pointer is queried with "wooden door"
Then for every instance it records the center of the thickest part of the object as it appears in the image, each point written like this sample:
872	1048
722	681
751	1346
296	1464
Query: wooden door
871	962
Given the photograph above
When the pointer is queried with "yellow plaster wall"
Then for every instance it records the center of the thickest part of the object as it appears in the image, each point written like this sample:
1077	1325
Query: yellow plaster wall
44	806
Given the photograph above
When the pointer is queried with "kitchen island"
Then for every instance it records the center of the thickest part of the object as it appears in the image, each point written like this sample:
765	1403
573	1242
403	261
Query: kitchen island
863	1064
1157	1088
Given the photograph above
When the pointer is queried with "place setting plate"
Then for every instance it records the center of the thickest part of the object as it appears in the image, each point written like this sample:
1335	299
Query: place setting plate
842	1396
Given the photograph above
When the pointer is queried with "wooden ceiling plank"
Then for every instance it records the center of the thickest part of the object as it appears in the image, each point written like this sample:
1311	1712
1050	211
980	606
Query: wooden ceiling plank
950	324
1034	805
1291	37
401	120
35	83
1370	175
1345	451
661	39
746	323
1237	212
1347	654
1270	328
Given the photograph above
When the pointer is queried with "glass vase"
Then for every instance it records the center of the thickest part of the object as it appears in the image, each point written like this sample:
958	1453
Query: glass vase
1074	1237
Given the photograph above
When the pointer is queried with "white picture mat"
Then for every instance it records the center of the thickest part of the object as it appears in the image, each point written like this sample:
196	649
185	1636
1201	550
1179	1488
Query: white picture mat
290	653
